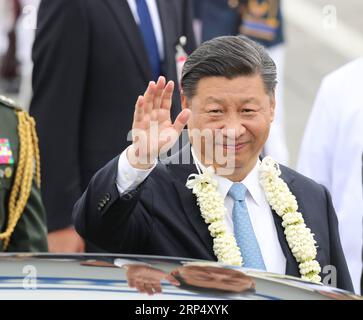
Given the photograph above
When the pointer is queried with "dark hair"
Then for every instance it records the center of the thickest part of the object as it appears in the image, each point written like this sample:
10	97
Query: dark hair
230	57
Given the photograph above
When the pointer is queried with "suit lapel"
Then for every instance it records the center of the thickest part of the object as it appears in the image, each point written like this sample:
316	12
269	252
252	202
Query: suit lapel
291	264
191	209
180	174
130	29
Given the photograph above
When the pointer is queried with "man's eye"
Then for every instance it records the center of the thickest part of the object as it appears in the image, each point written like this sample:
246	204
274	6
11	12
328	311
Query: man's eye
248	110
215	111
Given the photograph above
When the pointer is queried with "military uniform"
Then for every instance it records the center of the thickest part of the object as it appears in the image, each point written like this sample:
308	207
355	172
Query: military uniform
22	215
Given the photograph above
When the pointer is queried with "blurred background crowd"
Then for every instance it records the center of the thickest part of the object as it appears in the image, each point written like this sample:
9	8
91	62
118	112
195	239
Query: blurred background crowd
78	66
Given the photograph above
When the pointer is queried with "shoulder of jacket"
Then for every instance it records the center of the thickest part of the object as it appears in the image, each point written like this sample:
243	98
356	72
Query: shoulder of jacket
9	103
289	175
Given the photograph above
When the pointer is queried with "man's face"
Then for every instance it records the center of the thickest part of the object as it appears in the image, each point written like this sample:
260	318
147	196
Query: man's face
238	112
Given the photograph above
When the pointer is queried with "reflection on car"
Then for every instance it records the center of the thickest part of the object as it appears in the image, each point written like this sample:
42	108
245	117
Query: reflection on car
108	276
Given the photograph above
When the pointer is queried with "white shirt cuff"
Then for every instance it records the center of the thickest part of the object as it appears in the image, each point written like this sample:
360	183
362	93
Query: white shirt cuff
128	177
125	262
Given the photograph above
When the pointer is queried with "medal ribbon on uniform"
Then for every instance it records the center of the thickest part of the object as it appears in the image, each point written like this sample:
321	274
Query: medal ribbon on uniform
6	156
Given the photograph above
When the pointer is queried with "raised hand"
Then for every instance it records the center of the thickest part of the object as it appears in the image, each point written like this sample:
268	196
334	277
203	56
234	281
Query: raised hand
152	129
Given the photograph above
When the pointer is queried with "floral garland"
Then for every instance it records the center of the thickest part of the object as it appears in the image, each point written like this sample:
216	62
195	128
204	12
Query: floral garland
213	211
298	235
283	202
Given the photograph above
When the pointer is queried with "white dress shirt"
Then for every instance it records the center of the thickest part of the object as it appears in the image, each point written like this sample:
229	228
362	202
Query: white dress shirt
331	154
128	178
155	18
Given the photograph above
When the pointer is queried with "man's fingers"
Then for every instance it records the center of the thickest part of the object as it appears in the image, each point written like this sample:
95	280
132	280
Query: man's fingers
181	120
149	97
131	283
157	98
167	96
140	286
149	288
157	287
172	280
160	85
139	109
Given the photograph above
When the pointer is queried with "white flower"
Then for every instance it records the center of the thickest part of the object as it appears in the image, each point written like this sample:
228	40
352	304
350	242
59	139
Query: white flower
313	278
283	202
226	249
291	218
217	228
213	211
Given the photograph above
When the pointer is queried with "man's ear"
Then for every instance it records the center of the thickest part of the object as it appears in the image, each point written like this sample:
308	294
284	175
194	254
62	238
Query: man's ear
272	105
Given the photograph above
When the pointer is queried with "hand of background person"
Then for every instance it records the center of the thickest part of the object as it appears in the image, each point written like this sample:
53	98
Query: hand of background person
65	241
152	130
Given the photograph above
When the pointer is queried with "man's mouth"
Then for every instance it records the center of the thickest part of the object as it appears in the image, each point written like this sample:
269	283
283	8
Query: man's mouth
234	146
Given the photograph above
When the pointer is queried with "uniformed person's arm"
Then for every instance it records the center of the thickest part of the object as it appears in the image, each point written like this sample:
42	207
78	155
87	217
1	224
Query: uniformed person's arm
30	233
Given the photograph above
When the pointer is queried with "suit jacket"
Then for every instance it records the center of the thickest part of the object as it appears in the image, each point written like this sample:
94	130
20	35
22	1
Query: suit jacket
90	65
161	217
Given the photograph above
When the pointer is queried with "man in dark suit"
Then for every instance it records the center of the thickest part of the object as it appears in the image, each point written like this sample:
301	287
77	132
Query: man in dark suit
91	61
137	205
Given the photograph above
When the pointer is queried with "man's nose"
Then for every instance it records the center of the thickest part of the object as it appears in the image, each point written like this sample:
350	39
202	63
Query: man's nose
234	128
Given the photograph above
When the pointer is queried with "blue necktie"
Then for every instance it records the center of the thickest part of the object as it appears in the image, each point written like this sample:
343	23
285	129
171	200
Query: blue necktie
243	229
148	34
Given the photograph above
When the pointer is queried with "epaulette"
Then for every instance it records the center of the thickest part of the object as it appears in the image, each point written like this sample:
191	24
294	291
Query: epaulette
7	102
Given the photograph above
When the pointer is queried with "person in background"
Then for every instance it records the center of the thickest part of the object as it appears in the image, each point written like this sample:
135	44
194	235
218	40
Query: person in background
215	18
262	21
5	25
25	34
91	61
9	66
22	215
331	153
17	31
